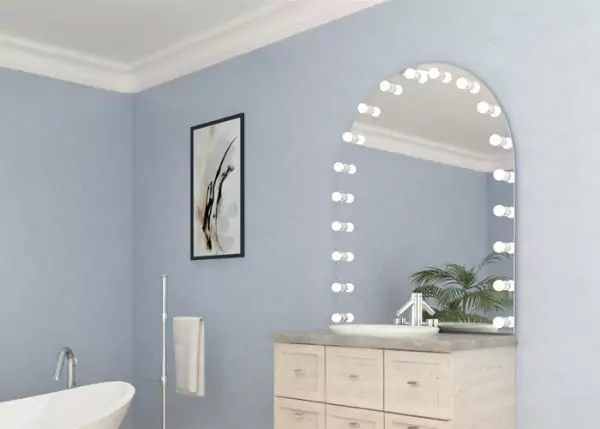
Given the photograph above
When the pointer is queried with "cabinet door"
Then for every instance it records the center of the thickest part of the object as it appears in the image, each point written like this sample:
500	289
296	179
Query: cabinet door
394	421
354	377
353	418
418	384
294	414
300	371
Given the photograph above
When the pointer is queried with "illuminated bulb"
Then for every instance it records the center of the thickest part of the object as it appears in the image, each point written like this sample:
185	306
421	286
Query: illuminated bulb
410	74
447	77
342	226
497	140
504	176
338	256
342	287
340	167
504	322
464	83
341	197
348	137
502	247
486	108
423	76
504	285
342	318
504	211
366	109
434	73
387	86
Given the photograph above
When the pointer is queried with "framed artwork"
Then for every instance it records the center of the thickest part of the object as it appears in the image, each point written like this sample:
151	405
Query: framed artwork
217	191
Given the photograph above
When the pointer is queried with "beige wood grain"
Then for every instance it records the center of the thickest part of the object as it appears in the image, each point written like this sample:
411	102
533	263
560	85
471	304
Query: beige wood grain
295	414
353	418
354	377
418	384
483	389
300	371
396	421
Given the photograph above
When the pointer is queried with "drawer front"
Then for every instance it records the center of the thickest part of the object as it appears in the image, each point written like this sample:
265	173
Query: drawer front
354	377
300	371
352	418
418	384
294	414
393	421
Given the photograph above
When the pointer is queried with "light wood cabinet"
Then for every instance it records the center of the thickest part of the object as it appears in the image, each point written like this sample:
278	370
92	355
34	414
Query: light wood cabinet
300	371
354	377
418	384
334	387
293	414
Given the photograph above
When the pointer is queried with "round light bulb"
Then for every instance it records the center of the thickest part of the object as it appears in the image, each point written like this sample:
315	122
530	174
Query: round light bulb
342	287
496	111
363	108
504	322
337	256
349	256
349	317
475	88
502	247
336	287
385	85
434	73
447	77
376	112
503	285
504	176
337	197
503	211
360	139
348	137
410	73
482	107
462	83
336	226
349	198
339	167
337	318
496	140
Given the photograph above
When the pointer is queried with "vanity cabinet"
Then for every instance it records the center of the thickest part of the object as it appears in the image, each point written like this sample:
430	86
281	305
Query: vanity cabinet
343	387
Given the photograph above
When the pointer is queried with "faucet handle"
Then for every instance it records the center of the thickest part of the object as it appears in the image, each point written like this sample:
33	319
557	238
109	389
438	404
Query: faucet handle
432	323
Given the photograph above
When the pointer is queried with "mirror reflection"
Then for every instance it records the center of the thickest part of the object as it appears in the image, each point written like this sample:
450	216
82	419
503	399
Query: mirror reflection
424	207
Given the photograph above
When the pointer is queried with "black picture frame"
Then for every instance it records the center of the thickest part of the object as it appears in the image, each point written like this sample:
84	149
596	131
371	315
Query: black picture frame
194	256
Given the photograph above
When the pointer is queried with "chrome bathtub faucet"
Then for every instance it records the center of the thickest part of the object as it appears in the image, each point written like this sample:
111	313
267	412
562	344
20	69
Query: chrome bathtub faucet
66	354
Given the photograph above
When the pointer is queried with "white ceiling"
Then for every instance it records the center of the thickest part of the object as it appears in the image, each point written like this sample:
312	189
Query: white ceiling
439	120
129	45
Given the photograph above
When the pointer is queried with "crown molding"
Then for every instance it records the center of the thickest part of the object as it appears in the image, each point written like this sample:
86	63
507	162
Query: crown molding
283	19
417	147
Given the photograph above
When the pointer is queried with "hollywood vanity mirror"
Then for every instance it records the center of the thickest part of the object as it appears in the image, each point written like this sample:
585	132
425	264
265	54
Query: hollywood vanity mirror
424	210
422	269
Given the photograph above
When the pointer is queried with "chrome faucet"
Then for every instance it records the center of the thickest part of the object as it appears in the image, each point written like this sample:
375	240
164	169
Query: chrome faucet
66	354
416	305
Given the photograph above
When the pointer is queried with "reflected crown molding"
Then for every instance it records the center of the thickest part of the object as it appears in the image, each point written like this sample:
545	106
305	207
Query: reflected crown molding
282	19
418	147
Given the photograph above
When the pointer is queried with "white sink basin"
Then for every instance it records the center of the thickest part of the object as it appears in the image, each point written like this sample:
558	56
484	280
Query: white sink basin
385	331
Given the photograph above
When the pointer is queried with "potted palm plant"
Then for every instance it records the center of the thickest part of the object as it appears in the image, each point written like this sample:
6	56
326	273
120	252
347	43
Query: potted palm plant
456	293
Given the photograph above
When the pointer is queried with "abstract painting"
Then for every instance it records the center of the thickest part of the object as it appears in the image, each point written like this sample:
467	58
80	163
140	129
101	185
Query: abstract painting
217	204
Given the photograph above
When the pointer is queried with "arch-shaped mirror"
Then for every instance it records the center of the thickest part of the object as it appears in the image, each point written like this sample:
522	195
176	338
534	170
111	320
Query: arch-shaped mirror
424	207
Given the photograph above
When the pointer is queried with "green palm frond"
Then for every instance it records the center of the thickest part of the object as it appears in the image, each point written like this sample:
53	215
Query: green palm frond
458	294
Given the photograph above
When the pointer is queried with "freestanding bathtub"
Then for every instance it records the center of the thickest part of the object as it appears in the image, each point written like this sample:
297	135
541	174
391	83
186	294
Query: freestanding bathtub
97	406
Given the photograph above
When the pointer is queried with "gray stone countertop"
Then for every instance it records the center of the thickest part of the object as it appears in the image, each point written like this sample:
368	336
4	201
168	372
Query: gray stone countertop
441	343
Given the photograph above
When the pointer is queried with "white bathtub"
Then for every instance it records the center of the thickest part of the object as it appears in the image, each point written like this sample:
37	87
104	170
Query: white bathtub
97	406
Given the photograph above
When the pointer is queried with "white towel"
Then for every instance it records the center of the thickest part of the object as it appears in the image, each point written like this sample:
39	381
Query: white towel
188	336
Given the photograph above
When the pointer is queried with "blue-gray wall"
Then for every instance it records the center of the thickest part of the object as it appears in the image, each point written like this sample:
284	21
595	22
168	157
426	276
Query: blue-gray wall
65	232
445	206
540	58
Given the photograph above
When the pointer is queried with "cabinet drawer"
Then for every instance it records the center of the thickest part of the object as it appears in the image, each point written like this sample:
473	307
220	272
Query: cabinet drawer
354	377
393	421
352	418
293	414
418	384
300	371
